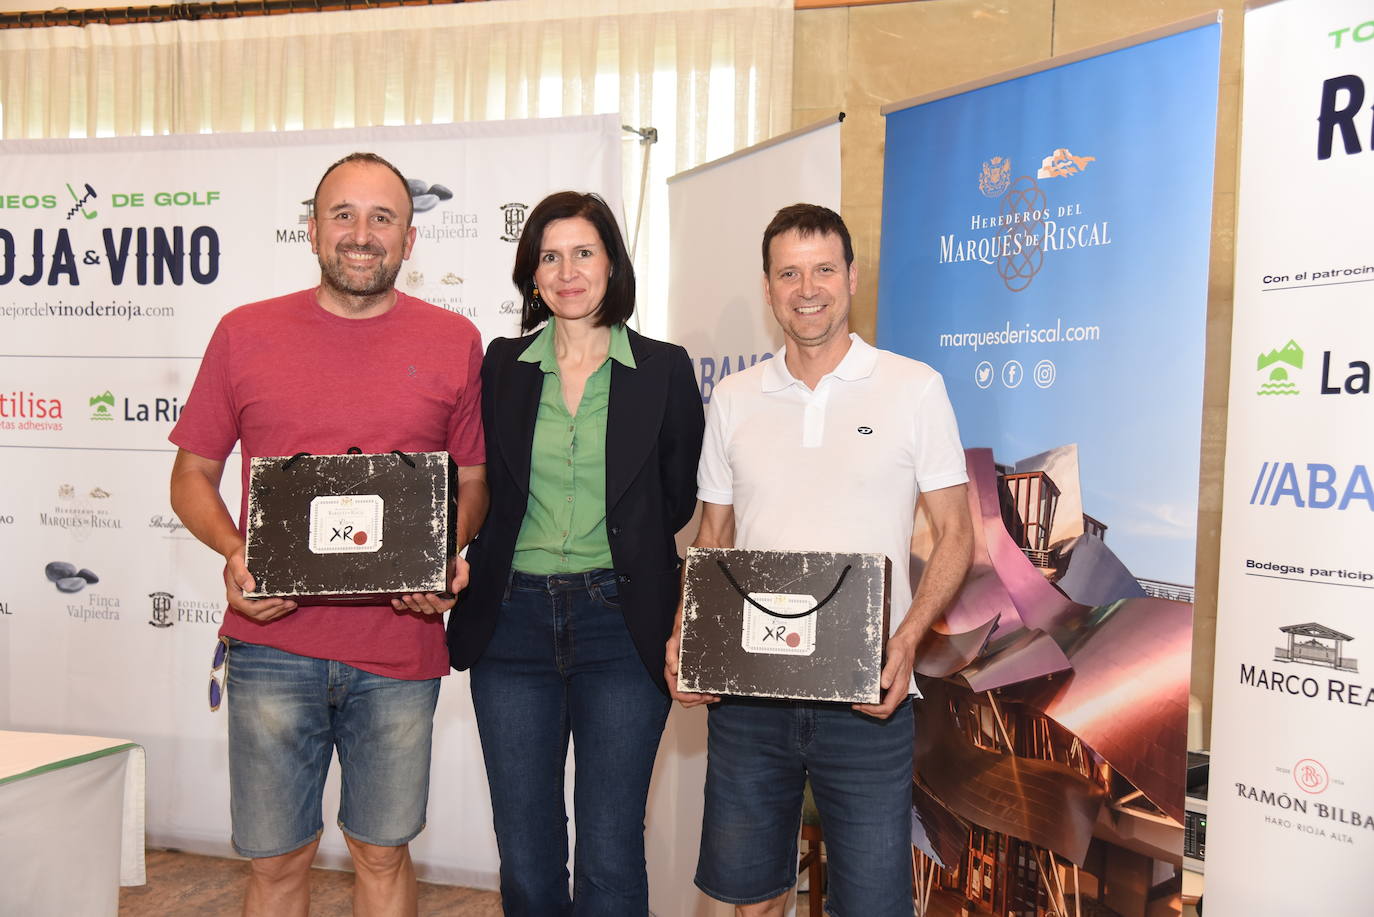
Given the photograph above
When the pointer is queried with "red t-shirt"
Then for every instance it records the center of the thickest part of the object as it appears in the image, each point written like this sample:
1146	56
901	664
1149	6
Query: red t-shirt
284	376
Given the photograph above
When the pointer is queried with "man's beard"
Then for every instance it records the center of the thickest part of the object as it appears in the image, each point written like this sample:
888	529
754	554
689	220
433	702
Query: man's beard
335	275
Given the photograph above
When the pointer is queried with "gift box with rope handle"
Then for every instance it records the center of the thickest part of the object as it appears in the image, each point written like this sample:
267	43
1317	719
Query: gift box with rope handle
804	625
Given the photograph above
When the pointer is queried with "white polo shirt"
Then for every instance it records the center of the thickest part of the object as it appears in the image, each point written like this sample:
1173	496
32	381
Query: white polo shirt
835	469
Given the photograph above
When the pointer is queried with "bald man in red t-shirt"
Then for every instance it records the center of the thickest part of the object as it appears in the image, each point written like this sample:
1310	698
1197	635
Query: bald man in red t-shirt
352	362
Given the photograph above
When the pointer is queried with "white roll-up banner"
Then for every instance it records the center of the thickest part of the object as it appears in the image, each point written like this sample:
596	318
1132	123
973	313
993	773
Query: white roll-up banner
1291	796
717	214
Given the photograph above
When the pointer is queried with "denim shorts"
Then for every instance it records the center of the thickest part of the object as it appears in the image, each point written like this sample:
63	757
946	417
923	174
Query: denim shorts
287	716
760	753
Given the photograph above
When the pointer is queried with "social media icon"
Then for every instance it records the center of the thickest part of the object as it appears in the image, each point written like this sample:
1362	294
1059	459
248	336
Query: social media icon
1044	373
982	374
1012	373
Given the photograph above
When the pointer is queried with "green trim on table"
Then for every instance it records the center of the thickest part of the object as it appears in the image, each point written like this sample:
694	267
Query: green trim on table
69	762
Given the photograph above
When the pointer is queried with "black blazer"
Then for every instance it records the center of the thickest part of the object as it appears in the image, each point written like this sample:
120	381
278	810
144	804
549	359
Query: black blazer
654	426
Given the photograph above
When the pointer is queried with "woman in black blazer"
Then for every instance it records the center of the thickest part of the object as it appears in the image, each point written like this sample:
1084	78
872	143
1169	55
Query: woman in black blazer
593	434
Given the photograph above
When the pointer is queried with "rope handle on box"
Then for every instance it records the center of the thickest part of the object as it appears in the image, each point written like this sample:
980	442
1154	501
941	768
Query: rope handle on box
352	450
768	611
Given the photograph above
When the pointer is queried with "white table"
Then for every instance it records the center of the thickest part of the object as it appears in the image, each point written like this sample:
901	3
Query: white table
71	823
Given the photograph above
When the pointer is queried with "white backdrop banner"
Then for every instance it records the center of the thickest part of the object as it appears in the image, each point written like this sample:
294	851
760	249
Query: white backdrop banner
717	214
117	258
1291	799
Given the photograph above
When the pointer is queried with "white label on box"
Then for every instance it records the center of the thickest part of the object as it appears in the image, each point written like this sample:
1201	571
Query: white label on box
350	524
766	634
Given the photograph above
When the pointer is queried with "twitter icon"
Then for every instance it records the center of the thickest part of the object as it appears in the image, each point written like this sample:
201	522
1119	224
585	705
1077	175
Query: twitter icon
982	374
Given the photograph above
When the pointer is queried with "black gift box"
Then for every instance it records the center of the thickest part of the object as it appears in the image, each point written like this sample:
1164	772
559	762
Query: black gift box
805	625
349	528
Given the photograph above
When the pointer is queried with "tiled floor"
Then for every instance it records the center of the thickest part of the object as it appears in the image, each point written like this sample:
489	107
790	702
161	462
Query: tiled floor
186	885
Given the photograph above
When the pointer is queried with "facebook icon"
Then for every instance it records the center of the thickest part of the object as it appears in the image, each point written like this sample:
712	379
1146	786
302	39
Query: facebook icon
1012	373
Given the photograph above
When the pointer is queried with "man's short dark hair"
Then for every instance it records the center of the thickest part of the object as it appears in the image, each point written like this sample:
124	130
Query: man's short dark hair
807	220
375	160
619	303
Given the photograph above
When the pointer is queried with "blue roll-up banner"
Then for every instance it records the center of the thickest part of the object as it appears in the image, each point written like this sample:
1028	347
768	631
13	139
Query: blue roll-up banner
1045	247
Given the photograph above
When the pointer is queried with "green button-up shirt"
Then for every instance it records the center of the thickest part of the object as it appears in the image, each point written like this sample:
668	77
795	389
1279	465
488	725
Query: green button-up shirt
564	529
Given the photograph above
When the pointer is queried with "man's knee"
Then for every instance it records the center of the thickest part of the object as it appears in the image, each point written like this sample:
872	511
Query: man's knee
378	861
286	868
773	907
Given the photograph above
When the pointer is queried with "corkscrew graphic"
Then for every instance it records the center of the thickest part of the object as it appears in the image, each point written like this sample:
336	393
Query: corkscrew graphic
80	205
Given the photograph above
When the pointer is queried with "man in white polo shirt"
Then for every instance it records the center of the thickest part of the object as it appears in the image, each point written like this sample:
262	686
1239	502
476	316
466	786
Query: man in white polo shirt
826	447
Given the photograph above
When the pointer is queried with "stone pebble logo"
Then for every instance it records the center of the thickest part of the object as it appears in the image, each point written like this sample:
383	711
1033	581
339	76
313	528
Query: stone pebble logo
1311	777
67	578
1279	362
425	196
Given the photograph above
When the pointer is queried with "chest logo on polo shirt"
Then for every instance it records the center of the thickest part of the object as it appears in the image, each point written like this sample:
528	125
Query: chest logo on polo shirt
865	430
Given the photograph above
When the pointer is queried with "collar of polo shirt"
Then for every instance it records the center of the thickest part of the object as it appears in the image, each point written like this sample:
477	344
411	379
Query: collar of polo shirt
858	363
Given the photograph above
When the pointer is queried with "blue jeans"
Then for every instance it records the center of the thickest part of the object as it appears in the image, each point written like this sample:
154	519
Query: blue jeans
759	755
287	715
561	663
